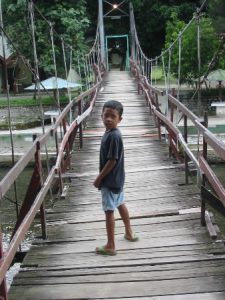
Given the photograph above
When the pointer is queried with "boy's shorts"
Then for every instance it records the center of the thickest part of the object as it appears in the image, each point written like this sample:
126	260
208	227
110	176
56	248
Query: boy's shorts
111	201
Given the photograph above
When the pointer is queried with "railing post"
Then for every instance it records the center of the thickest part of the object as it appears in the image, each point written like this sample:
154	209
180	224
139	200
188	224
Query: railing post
204	141
169	131
42	207
3	287
158	120
171	119
64	125
185	154
67	162
60	181
80	125
149	104
57	152
205	123
56	140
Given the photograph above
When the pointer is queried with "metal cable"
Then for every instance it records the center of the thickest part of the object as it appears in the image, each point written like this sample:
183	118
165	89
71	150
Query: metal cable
55	66
179	68
31	10
85	71
9	109
79	70
169	69
66	74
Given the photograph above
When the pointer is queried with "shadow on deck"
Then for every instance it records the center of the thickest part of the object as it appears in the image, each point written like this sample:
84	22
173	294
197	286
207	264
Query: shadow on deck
174	259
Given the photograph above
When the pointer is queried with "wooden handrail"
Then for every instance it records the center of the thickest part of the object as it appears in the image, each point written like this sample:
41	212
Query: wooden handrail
183	108
75	124
212	178
70	105
14	172
209	137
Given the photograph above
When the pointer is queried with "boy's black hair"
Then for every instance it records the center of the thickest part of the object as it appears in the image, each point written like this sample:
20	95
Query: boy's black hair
114	105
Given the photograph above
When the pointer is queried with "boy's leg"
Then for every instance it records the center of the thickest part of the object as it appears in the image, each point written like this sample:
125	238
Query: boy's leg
126	220
110	229
109	247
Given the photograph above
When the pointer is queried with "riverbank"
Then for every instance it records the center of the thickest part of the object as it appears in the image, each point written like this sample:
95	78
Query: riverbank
22	141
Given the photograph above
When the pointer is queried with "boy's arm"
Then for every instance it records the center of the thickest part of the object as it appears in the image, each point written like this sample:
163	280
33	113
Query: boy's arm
107	168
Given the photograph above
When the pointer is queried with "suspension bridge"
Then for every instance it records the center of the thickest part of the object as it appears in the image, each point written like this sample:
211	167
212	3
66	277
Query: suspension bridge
180	253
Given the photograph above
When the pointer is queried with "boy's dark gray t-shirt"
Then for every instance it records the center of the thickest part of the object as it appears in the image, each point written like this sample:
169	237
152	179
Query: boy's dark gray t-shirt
112	148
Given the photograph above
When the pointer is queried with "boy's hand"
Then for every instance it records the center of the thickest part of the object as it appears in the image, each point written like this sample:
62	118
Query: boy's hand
97	182
107	168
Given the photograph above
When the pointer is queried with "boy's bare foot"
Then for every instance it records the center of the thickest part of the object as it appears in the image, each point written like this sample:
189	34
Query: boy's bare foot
131	237
105	251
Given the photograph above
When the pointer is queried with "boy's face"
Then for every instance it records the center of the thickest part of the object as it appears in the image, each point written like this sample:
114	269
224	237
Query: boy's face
110	118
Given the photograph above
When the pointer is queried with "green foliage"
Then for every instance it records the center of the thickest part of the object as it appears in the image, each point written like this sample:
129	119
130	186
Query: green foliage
216	9
46	101
209	43
151	18
69	20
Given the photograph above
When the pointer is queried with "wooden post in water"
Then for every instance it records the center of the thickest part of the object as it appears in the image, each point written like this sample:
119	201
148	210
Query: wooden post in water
205	123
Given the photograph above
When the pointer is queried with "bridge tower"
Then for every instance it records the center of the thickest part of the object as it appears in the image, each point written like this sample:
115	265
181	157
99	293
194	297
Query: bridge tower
115	11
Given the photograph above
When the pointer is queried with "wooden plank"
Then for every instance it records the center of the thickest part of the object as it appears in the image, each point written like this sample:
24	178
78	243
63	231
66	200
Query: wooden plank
124	289
202	296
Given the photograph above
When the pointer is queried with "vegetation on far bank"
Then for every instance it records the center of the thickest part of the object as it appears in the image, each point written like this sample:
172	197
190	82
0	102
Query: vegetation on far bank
46	101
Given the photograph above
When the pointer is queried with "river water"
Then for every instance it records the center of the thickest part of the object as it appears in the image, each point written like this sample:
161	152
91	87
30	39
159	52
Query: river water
8	217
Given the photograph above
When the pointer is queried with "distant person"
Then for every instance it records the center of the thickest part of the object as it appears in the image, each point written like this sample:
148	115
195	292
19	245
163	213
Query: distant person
123	60
111	176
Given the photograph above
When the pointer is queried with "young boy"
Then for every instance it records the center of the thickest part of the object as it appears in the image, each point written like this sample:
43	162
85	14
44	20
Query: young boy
111	176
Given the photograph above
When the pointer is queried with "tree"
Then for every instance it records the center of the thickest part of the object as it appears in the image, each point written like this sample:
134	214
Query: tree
216	9
209	43
69	19
151	18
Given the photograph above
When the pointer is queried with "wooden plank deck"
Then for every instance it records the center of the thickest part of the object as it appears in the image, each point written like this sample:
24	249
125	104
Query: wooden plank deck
175	259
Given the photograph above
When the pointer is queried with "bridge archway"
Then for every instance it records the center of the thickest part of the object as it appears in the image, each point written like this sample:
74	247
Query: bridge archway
117	52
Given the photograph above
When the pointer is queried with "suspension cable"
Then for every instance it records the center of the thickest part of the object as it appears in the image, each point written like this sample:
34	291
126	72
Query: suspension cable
55	66
174	42
165	75
31	11
199	57
179	67
66	74
85	71
151	71
9	109
169	69
79	70
156	66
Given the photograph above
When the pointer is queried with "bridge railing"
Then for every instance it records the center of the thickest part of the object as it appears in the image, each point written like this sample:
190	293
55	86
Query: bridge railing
178	141
39	187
